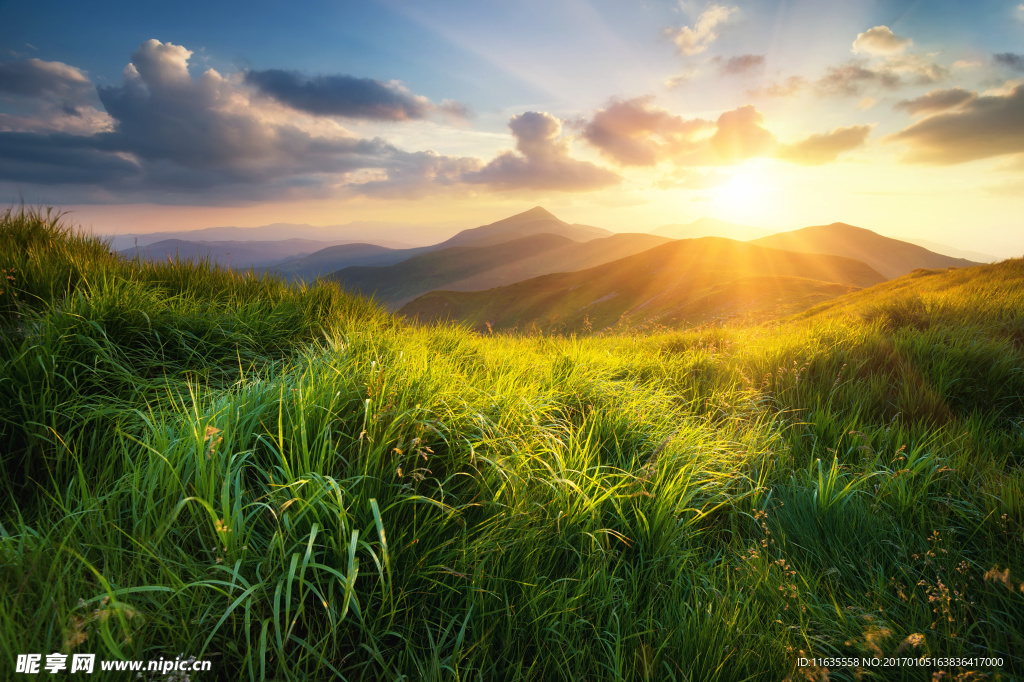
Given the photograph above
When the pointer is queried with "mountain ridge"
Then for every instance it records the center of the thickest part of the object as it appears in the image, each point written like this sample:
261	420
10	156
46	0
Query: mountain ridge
669	284
891	257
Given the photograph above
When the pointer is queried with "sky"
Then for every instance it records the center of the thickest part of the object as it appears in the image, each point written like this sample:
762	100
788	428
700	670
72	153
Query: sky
902	116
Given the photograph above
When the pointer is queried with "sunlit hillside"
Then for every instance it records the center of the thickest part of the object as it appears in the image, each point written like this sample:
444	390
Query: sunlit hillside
891	257
682	282
471	268
296	485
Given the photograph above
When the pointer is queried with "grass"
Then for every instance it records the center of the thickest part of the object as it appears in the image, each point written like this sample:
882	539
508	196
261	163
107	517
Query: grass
294	485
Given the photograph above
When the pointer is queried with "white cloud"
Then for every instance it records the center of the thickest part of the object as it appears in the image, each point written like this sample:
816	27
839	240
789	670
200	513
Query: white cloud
691	41
880	40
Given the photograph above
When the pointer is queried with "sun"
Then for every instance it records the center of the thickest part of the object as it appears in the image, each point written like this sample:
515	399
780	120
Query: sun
746	196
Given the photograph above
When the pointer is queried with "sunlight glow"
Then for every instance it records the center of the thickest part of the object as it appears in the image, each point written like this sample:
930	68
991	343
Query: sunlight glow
747	196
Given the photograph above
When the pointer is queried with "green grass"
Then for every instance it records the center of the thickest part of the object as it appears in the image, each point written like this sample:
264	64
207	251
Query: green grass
290	483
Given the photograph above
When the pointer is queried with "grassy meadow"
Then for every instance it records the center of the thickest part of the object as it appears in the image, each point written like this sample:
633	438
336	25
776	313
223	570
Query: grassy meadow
294	484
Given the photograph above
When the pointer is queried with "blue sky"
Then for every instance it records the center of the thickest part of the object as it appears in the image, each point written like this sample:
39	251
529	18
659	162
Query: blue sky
901	116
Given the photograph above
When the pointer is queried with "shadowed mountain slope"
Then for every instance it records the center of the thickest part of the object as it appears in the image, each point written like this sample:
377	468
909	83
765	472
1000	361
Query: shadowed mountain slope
891	257
467	268
693	280
325	261
533	222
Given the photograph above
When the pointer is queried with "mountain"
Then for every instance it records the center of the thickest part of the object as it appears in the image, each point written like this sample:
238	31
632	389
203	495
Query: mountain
710	227
681	282
325	261
466	268
535	221
394	235
532	222
947	250
891	257
237	254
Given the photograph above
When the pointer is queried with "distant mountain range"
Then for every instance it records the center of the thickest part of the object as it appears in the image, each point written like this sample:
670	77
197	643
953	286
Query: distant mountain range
334	259
684	281
534	270
237	254
467	268
394	235
711	227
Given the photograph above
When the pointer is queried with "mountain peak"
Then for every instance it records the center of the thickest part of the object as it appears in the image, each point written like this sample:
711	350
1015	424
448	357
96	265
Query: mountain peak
536	213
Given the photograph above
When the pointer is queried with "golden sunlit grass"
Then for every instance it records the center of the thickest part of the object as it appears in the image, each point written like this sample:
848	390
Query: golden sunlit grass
292	484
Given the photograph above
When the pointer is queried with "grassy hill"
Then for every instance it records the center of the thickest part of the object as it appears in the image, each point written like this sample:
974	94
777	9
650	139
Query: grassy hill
292	484
686	281
891	257
467	268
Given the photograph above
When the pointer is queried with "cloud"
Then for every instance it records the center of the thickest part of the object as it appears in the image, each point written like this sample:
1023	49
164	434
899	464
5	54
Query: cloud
1014	62
347	96
936	100
59	158
886	66
49	96
37	78
851	79
824	148
691	41
211	136
787	88
739	135
855	76
880	40
418	174
987	126
740	65
636	133
680	79
921	71
543	161
163	114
